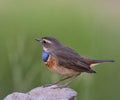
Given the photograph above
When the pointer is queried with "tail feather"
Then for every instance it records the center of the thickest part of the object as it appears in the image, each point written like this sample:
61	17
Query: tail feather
92	71
96	62
102	61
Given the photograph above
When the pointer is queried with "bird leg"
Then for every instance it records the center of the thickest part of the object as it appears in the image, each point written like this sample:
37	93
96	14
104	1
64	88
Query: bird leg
68	82
59	81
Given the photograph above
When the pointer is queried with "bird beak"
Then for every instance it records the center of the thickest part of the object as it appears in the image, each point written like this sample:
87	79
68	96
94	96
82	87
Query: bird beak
38	39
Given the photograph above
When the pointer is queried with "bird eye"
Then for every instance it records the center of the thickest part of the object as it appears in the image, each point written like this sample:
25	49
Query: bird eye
44	42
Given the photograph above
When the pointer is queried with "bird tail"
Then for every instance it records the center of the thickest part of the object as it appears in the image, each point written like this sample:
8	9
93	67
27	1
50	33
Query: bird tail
96	62
102	61
92	71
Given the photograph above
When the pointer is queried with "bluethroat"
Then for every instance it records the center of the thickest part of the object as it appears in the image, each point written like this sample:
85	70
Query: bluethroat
64	60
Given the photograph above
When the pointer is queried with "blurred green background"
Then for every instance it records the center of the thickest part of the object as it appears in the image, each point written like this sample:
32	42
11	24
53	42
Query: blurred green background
91	27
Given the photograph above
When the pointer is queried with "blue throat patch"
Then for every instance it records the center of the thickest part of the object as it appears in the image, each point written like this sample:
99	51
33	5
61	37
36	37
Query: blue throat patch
45	56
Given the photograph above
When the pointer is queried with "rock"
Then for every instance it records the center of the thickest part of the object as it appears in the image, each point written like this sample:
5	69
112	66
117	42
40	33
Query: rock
44	93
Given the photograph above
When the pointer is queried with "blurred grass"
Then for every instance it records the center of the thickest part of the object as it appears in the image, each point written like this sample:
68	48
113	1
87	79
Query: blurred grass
90	27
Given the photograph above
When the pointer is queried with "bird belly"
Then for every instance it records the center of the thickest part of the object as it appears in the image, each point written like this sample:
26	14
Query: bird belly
51	63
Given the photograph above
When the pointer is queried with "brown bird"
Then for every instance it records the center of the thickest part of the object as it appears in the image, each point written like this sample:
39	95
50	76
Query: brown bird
64	60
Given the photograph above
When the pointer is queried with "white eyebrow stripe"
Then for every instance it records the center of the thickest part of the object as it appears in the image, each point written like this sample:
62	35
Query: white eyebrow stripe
47	41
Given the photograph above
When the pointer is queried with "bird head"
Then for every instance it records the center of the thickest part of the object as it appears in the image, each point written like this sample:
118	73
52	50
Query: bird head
49	43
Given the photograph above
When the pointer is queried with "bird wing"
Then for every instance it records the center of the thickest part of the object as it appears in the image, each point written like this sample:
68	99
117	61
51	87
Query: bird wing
70	59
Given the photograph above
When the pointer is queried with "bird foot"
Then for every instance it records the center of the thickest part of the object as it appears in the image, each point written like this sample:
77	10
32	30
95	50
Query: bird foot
60	86
47	85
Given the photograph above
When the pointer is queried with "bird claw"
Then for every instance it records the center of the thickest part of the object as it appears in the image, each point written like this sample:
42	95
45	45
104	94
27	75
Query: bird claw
47	85
56	86
60	86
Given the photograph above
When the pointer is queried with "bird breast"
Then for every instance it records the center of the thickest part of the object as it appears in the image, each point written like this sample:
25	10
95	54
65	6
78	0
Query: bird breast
52	65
